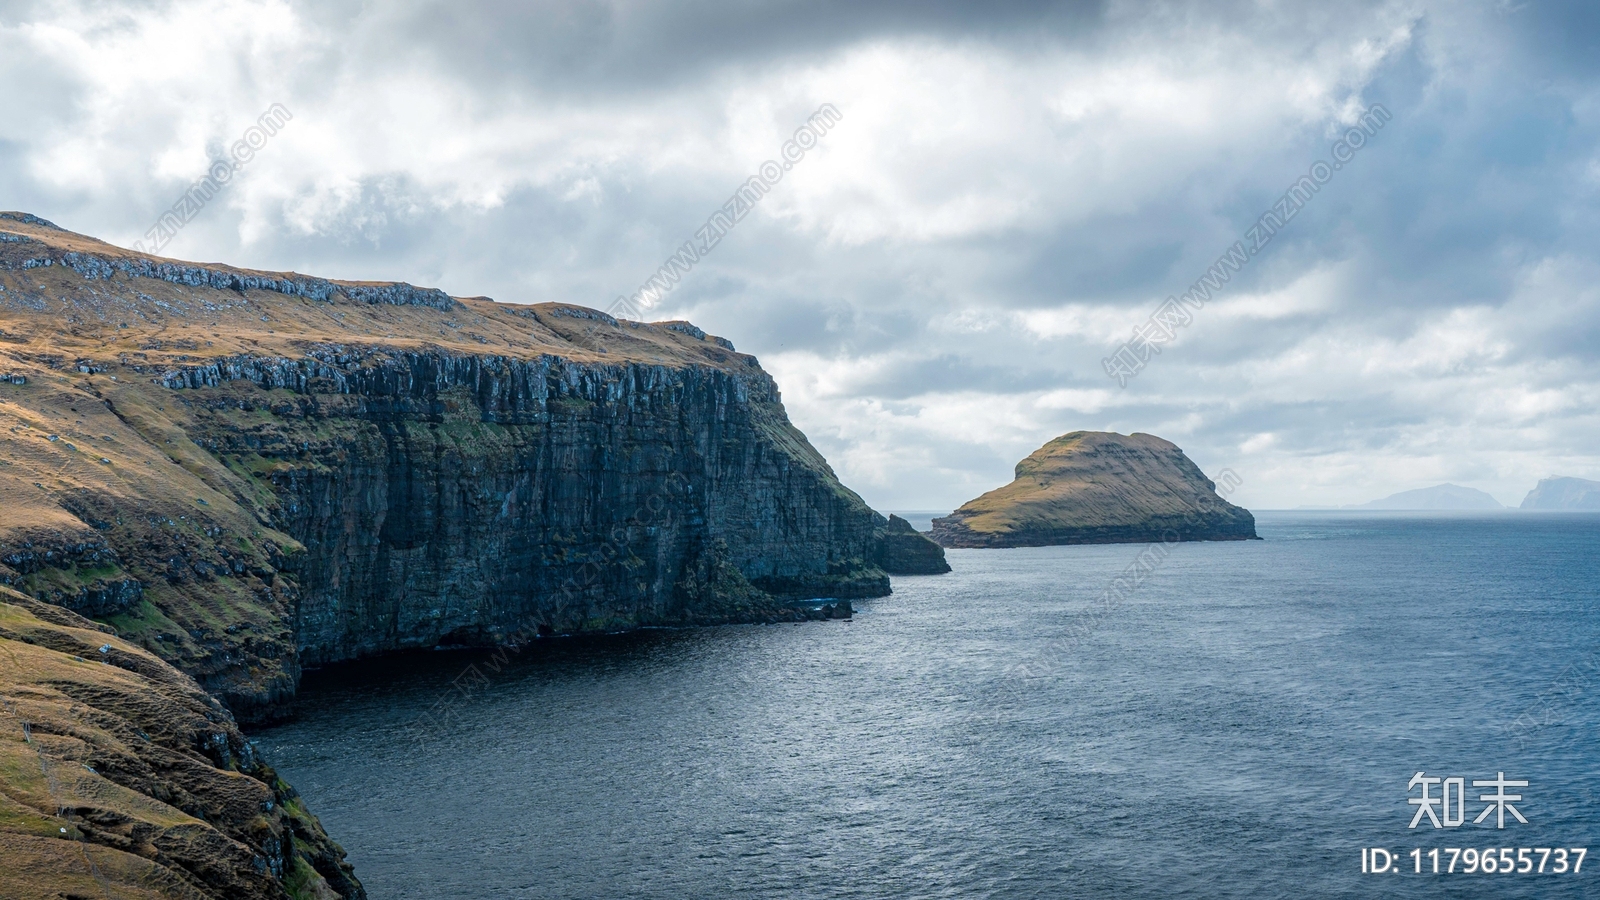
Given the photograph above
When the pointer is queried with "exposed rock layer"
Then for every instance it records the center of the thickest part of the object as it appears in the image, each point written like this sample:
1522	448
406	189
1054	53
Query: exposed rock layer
1091	487
450	499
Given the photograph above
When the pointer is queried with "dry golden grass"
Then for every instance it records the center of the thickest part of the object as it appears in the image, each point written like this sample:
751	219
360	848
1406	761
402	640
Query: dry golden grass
1090	478
156	321
1095	486
111	772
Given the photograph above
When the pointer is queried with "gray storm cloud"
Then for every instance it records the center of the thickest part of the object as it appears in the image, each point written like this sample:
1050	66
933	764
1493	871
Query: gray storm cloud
1012	189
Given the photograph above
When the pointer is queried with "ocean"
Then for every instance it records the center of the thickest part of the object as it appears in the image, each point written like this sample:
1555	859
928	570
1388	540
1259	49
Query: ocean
1247	722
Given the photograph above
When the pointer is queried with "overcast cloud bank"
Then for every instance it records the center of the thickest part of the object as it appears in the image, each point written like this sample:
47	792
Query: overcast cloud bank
1010	188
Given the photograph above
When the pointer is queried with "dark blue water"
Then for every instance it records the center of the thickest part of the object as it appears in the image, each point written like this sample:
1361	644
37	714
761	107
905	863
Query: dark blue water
1241	727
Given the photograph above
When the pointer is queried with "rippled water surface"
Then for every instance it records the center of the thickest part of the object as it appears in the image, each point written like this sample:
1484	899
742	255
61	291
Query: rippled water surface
1242	726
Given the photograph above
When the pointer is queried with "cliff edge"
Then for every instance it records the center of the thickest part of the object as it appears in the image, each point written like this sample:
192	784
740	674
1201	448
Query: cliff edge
1092	487
249	472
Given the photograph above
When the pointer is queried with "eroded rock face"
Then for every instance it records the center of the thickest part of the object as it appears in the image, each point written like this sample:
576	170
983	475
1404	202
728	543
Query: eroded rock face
1091	487
78	571
110	755
471	499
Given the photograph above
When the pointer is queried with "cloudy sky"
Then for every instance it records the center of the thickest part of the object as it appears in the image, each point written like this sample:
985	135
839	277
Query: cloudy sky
1012	189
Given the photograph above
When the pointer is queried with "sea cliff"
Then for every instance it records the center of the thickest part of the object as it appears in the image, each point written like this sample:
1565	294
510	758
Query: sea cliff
250	472
245	473
1564	493
905	551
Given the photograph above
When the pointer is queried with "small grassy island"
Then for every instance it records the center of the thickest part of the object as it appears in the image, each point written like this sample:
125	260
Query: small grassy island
1097	487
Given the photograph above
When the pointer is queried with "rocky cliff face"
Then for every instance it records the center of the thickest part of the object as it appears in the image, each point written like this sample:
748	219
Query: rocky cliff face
249	472
243	473
904	550
1564	492
444	498
1090	487
119	777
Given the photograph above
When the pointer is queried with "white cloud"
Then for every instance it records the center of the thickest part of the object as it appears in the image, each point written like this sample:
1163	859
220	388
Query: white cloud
934	285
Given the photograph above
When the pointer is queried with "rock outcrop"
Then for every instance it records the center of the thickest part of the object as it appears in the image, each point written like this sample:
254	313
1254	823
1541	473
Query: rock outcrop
1091	487
119	777
903	550
1563	493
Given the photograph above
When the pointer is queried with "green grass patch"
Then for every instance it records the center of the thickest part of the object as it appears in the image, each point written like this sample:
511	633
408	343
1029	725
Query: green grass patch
146	618
301	881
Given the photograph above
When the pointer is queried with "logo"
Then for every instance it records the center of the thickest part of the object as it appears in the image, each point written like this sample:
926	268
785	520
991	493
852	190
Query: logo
1449	808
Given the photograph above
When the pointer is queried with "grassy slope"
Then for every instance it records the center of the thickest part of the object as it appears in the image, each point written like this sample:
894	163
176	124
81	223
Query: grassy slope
1089	479
120	777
